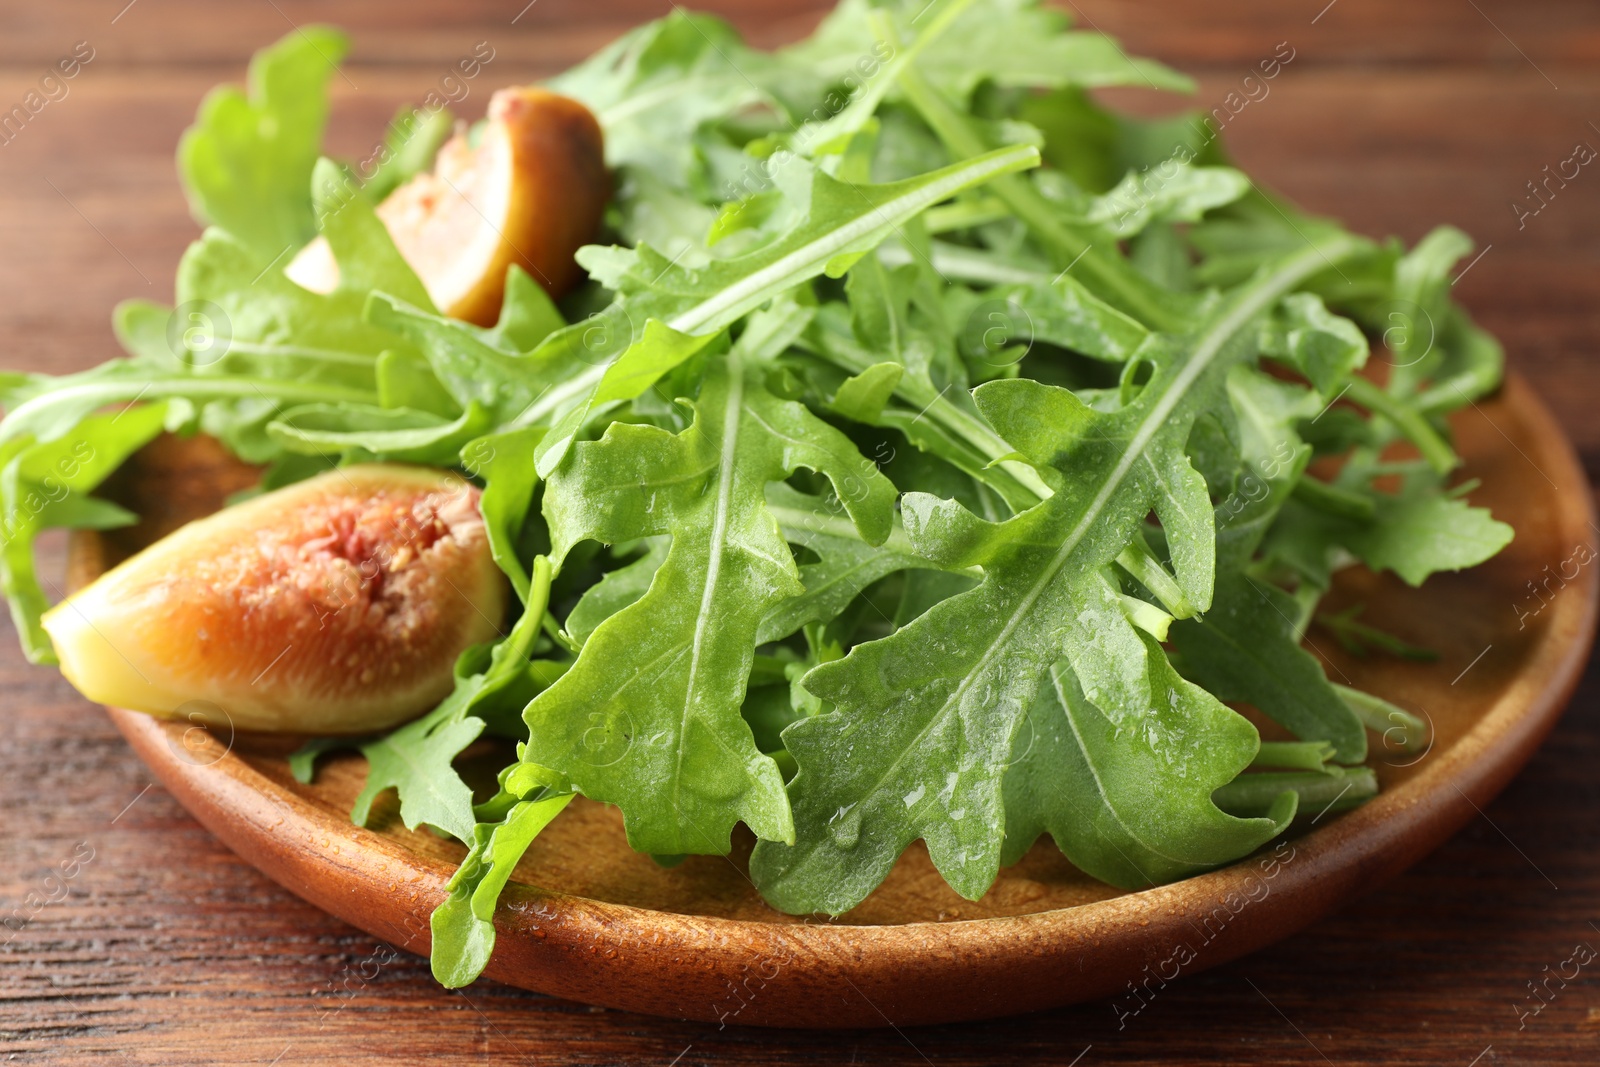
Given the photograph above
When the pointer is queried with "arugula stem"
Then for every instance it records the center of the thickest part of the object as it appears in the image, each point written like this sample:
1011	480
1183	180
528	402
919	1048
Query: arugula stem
1139	561
872	93
1397	726
963	214
935	405
1306	598
1295	756
1121	285
93	395
1252	795
833	526
1356	636
1147	617
1451	392
538	600
1332	499
960	263
1440	456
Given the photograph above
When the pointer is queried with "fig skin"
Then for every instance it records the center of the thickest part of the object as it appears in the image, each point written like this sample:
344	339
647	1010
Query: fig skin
336	606
532	193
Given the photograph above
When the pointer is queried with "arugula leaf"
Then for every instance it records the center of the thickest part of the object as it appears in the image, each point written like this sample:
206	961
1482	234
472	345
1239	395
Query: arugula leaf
845	567
1421	285
1023	44
1325	347
46	484
1419	536
841	223
467	364
246	162
616	590
502	460
1416	532
655	87
463	925
1133	807
1065	312
1011	43
960	677
409	147
1471	365
395	434
1247	647
648	717
527	315
1176	192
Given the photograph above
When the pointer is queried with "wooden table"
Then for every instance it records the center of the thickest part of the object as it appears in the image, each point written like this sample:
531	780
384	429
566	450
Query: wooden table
167	950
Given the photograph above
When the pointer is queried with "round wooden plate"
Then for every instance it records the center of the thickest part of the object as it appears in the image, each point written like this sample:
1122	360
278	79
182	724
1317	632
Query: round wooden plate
588	919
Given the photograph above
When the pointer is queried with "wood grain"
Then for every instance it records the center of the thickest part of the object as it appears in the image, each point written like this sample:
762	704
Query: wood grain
168	950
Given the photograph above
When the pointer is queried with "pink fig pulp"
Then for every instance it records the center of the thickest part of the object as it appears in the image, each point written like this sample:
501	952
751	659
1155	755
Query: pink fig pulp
336	606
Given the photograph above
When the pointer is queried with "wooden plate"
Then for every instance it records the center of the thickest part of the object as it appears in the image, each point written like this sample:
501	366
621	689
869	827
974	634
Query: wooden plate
589	920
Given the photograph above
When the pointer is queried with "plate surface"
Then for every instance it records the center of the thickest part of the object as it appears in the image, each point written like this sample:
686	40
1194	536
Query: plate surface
587	919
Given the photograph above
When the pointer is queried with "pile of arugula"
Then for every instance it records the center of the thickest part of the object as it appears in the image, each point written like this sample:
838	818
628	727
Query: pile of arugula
927	457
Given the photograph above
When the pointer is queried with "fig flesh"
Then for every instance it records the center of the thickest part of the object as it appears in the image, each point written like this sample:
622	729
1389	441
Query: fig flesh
531	192
336	606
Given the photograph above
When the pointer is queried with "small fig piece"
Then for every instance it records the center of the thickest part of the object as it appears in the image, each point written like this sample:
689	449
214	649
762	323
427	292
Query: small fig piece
336	606
531	192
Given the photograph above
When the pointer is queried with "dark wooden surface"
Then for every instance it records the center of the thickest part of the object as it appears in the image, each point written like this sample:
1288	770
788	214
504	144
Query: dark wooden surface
165	949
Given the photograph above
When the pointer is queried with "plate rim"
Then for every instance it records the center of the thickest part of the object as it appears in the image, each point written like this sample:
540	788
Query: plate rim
826	975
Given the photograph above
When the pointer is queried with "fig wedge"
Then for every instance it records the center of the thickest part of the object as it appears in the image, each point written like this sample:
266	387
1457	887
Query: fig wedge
531	192
336	606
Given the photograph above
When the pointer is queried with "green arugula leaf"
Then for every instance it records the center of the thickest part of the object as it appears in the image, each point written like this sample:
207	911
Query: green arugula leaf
1011	43
463	925
503	461
1423	535
1247	647
845	567
372	432
1133	807
1421	287
1064	312
409	147
527	314
648	718
46	484
961	677
618	589
1174	192
1471	365
1325	347
246	162
655	87
467	363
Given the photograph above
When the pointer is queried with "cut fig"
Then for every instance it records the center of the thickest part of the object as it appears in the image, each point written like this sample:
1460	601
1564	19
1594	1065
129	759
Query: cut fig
336	606
531	192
